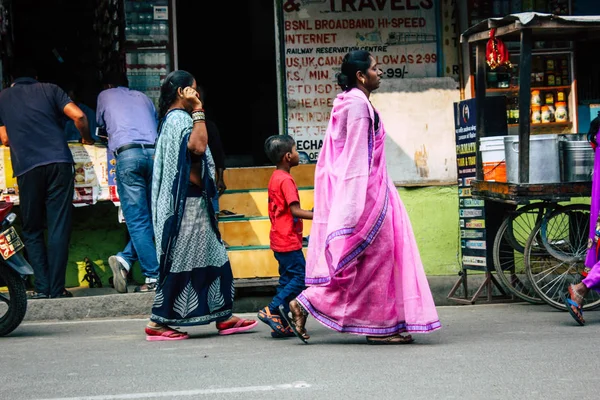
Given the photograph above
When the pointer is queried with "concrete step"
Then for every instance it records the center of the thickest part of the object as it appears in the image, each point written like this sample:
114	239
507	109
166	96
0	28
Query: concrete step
254	262
254	203
258	177
251	231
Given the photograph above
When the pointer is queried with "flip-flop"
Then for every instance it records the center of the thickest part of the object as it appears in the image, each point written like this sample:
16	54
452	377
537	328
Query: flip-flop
570	304
291	324
237	328
157	336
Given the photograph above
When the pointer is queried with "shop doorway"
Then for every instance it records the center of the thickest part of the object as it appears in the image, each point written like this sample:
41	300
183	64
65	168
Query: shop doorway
58	38
235	63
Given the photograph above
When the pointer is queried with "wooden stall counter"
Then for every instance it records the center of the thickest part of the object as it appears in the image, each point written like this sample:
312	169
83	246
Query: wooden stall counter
520	193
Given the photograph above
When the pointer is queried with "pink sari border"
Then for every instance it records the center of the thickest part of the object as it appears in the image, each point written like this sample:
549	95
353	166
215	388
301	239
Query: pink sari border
364	330
317	281
370	237
338	233
371	147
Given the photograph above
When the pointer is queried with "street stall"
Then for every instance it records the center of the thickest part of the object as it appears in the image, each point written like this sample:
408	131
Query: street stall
94	175
524	169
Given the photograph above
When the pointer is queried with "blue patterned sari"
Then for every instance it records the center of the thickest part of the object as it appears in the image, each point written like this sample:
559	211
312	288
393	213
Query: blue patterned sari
196	283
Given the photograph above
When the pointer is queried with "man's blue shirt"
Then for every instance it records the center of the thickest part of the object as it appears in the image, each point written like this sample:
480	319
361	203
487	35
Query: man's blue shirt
32	113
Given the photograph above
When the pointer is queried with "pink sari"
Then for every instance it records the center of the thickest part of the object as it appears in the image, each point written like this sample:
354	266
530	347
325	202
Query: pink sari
363	271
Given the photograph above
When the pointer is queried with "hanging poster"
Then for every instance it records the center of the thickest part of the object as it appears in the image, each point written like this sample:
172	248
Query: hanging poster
400	34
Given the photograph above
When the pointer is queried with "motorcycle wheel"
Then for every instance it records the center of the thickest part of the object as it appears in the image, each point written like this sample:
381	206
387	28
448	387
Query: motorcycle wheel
13	304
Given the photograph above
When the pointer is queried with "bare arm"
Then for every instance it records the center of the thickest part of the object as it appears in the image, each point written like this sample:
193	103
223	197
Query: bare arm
81	122
221	187
4	135
299	212
198	139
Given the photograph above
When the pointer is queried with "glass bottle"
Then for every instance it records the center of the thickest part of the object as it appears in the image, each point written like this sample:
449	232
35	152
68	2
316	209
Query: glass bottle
515	109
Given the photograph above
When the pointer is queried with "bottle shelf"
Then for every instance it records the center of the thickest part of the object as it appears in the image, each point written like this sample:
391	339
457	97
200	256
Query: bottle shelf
516	89
546	125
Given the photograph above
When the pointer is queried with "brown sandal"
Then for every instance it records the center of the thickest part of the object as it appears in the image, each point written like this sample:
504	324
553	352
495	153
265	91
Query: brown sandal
394	339
298	319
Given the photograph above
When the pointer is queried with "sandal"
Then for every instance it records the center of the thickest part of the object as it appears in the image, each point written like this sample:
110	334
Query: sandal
573	307
273	320
146	287
162	333
232	325
393	339
229	214
298	320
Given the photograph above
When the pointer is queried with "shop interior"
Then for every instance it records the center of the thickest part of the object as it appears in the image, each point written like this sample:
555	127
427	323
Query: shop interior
58	37
234	60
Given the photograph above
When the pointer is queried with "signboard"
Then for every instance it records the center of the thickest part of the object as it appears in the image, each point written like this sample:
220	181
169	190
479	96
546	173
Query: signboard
450	39
471	211
400	34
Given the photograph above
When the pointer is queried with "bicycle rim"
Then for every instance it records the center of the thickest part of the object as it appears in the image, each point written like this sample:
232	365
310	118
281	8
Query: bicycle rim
509	246
549	275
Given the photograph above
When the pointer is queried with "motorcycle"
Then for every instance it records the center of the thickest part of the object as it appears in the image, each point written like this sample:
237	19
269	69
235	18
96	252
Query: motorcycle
14	269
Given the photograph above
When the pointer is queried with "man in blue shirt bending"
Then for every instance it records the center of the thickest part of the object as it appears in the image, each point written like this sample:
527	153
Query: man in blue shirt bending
130	119
31	116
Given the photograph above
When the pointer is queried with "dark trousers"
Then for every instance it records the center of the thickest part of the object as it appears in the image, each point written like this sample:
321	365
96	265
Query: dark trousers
292	270
46	200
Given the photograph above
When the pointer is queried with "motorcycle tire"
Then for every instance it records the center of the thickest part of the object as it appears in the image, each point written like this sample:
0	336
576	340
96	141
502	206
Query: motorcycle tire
16	300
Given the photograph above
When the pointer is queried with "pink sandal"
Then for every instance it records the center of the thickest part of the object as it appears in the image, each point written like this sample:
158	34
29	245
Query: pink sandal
241	325
155	334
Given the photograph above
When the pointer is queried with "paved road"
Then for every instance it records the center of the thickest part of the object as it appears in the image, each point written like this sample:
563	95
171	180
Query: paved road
516	351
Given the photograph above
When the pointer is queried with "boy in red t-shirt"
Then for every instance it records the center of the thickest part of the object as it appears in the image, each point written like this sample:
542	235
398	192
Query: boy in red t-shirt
286	231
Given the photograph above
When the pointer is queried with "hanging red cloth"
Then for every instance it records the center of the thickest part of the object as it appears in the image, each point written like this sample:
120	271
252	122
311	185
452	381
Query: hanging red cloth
496	53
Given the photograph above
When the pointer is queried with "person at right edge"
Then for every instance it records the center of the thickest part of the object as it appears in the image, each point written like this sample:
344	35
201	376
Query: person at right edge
363	269
131	123
286	217
576	293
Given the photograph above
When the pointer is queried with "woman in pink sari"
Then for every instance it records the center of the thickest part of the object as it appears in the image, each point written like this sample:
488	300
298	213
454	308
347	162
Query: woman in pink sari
363	271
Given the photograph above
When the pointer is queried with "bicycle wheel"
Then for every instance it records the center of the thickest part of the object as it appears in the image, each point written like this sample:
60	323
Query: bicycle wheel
564	229
565	234
509	246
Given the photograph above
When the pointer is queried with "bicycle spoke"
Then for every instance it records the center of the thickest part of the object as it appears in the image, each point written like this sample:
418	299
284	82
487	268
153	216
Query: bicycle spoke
509	246
555	284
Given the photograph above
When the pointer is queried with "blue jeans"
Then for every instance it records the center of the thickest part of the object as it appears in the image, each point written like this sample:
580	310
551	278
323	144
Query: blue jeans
134	186
292	270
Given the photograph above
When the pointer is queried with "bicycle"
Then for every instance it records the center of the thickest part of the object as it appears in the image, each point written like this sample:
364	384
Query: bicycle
555	253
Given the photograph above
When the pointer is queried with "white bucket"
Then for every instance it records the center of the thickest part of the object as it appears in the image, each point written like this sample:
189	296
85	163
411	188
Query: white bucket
493	158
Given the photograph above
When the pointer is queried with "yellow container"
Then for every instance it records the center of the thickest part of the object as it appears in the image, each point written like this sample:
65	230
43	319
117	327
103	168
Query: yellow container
536	99
536	115
546	116
561	114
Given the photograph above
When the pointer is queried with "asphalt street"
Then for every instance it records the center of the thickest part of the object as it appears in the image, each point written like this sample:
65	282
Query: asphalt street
516	351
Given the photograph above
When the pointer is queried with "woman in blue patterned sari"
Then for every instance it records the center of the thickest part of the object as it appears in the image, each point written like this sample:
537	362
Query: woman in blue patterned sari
196	283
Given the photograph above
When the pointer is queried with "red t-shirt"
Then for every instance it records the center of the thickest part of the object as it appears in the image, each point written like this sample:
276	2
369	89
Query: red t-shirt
286	231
